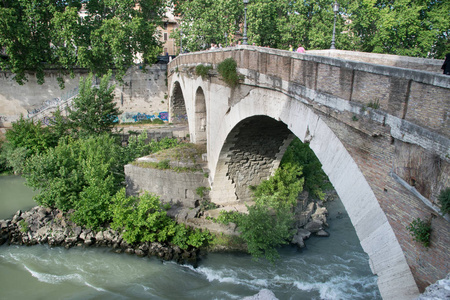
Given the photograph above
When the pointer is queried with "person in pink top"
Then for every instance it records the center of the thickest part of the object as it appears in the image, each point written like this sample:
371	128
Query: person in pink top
300	49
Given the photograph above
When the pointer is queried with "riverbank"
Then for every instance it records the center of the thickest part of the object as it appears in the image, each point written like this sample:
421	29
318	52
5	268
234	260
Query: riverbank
42	225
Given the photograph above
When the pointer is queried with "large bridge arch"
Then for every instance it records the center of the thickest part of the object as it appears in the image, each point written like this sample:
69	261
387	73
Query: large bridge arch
372	227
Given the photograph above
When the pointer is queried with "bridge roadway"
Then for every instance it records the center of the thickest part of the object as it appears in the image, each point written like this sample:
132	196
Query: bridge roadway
379	124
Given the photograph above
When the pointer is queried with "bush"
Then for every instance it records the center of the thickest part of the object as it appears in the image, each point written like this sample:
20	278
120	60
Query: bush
420	231
300	154
227	69
444	201
144	219
202	70
264	230
79	174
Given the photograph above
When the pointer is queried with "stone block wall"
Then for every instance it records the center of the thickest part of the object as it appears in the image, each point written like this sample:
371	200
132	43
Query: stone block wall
173	187
253	156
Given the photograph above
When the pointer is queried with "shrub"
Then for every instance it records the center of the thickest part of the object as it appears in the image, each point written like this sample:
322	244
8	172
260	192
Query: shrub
227	69
78	174
300	154
202	70
444	201
420	231
375	104
23	226
144	219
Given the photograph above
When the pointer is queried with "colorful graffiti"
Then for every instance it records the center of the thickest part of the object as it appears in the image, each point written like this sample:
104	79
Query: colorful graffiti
164	115
130	117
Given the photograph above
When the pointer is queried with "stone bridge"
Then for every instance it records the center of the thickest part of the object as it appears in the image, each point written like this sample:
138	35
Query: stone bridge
379	124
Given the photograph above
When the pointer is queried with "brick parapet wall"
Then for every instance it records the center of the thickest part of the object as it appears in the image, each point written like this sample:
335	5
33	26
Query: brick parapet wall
418	96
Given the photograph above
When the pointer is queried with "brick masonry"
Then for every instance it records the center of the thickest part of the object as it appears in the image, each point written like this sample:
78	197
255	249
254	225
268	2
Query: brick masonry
407	134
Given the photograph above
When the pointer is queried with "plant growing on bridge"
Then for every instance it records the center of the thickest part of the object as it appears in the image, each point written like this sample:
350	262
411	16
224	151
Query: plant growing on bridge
420	231
444	201
227	69
202	70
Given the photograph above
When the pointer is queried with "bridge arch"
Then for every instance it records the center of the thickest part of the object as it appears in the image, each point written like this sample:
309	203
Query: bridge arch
200	117
177	106
372	227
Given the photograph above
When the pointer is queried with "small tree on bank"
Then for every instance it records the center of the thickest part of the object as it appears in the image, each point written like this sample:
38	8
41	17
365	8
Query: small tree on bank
94	111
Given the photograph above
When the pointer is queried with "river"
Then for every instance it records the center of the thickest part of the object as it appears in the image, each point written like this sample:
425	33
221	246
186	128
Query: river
328	268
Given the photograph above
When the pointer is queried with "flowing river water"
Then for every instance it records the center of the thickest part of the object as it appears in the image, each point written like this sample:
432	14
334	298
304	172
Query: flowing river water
328	268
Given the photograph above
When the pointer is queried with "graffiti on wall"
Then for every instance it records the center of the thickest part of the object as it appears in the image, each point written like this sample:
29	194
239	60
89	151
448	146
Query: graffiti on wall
180	118
131	117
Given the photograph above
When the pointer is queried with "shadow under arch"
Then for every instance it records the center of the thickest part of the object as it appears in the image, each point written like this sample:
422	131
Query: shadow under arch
177	106
200	117
375	234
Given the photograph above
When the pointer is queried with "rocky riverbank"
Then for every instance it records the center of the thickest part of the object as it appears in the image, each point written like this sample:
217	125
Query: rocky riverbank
42	225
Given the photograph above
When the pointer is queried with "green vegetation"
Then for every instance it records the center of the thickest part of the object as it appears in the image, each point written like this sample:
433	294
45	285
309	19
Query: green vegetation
50	34
94	111
227	69
269	222
144	219
406	27
374	104
23	226
420	231
444	201
201	191
155	121
202	70
300	154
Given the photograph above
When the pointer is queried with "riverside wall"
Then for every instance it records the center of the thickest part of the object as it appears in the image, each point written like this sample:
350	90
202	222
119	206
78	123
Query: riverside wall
141	95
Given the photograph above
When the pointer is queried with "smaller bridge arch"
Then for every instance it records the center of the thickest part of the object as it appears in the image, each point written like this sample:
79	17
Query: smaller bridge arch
200	117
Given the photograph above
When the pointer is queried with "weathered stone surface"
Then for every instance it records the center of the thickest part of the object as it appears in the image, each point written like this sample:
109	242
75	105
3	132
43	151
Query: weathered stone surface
437	291
314	226
322	233
263	294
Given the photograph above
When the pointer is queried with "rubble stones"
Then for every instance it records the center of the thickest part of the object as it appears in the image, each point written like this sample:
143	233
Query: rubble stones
47	226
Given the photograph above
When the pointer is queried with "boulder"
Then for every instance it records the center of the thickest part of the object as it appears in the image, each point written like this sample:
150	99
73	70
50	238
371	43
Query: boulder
322	233
299	237
314	226
263	294
320	215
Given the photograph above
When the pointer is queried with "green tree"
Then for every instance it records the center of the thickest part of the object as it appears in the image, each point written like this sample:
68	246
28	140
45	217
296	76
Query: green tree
403	27
300	154
201	25
93	110
25	139
80	174
37	34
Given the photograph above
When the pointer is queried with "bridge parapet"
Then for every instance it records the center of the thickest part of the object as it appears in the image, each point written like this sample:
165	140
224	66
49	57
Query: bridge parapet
414	104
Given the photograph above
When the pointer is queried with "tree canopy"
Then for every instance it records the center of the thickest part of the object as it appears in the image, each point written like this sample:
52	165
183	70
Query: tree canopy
417	28
95	34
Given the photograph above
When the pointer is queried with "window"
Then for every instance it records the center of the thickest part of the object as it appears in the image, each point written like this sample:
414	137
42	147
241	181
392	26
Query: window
165	36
